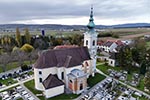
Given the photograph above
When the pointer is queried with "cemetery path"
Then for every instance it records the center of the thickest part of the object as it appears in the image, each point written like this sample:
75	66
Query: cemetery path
13	85
36	98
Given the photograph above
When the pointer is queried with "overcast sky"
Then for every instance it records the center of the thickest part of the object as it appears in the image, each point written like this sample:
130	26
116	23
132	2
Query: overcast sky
73	12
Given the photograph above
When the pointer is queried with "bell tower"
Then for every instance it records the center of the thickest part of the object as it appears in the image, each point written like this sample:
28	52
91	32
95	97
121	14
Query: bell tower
90	40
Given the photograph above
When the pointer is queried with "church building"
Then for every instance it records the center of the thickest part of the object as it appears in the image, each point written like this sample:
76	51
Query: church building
67	68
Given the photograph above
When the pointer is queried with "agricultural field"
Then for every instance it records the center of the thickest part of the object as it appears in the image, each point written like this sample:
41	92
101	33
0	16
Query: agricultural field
127	33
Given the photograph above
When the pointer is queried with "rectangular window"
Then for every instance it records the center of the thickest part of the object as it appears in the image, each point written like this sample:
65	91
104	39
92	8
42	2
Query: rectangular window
62	75
40	72
40	80
111	62
86	42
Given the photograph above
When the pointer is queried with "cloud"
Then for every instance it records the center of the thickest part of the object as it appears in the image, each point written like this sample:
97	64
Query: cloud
70	11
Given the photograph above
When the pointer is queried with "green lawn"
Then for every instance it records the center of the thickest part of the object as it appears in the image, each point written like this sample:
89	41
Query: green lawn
94	80
64	97
30	86
20	99
148	45
6	81
104	68
141	84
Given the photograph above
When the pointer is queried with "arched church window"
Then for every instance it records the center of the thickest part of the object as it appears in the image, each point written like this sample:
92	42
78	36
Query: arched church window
93	42
81	86
70	81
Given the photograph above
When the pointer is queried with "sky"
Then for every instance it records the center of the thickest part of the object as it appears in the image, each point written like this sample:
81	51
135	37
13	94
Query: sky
74	12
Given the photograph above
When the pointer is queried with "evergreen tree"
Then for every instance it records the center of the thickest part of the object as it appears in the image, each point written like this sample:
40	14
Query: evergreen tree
27	36
18	37
125	58
139	51
143	68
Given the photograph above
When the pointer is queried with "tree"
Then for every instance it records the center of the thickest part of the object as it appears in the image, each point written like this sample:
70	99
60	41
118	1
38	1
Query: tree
18	37
139	50
4	60
33	55
125	58
147	81
143	67
76	39
27	36
27	48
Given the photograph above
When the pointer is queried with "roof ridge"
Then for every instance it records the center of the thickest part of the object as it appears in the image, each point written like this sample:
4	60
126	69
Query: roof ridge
67	61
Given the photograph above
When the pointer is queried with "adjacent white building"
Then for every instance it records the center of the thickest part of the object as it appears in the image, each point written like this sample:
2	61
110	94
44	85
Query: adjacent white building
108	46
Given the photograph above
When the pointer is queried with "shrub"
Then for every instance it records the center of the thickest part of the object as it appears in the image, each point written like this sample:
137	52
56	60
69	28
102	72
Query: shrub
115	35
27	48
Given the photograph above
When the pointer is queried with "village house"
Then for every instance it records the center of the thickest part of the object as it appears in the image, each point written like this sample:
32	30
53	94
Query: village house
112	61
110	45
67	67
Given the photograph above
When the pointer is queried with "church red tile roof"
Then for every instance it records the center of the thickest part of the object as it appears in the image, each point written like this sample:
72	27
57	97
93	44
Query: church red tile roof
67	57
65	46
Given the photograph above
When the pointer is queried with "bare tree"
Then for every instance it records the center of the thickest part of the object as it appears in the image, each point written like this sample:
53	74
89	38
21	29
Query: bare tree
4	60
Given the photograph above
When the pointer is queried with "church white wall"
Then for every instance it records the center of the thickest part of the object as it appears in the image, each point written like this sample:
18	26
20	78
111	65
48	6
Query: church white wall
59	72
111	62
44	75
38	85
90	38
54	91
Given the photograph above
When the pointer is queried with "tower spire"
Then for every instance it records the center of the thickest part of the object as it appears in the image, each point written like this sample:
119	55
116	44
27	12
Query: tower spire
91	24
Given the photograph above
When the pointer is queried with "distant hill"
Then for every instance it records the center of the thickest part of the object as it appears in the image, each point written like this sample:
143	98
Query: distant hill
33	27
133	25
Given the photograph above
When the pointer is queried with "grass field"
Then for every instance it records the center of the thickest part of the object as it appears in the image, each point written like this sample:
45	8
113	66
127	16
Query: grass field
122	32
148	45
8	81
94	80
